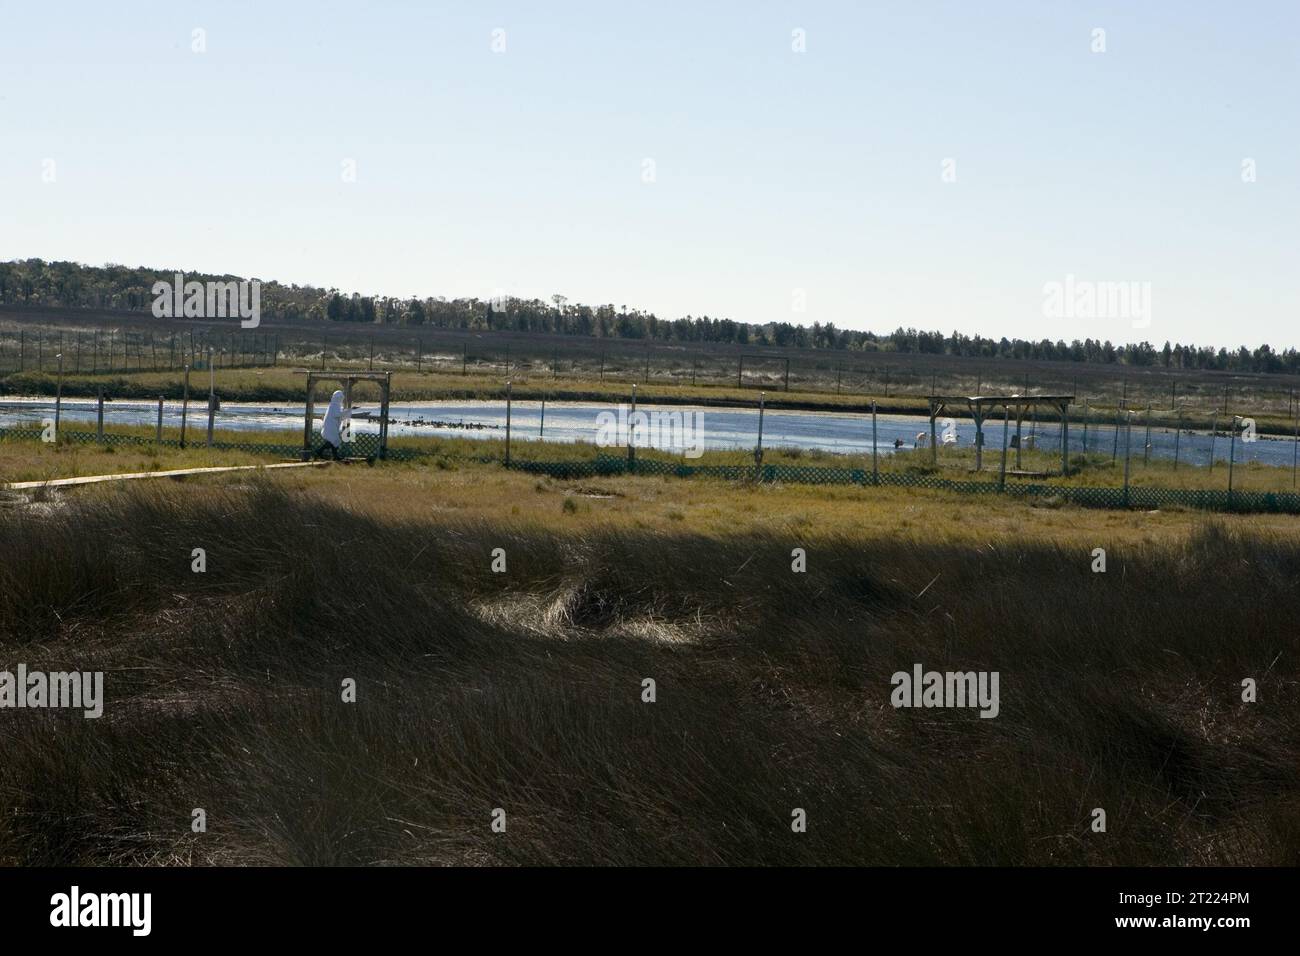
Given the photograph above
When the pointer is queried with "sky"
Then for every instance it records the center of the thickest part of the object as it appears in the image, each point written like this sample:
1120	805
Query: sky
925	164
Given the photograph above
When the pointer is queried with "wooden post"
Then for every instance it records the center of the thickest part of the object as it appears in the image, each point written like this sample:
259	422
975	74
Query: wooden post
646	378
1019	420
158	432
384	404
1085	428
695	364
542	430
509	402
306	421
419	356
875	454
99	420
978	414
372	354
602	365
185	405
934	442
758	449
324	344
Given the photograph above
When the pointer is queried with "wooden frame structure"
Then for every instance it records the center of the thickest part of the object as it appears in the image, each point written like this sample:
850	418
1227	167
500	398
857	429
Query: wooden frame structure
978	406
347	380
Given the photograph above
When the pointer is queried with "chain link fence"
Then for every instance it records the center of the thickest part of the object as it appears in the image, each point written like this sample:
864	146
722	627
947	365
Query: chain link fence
367	446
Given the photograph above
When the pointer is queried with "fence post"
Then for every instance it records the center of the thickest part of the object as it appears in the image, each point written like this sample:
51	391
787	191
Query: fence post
1128	438
1146	449
158	433
787	375
1214	427
58	398
464	359
1085	428
602	365
212	394
1006	426
1232	446
631	428
99	418
185	405
1295	448
372	354
758	450
509	401
740	370
875	455
419	355
1178	431
542	431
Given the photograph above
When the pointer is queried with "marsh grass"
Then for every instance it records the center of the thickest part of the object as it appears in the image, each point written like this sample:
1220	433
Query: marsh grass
522	690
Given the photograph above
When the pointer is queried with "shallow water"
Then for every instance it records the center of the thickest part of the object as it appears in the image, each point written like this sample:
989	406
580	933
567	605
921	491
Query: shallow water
668	428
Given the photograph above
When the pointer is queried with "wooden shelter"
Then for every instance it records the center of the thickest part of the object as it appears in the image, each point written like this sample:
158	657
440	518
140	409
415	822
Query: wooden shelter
347	379
979	406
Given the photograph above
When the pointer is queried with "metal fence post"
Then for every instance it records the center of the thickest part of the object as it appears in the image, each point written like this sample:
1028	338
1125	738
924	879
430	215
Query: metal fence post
1128	439
758	449
58	398
99	418
1232	446
875	454
509	402
212	394
631	431
185	405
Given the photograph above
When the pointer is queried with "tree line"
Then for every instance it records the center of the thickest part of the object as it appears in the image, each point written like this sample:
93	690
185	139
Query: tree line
76	286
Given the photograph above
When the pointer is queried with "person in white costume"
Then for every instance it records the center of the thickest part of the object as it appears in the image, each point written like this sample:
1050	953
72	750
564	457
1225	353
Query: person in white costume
331	428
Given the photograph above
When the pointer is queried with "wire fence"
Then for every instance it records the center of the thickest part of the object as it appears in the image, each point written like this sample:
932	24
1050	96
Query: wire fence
606	465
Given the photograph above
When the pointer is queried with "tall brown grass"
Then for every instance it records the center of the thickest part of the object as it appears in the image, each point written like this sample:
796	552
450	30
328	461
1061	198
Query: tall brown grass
523	690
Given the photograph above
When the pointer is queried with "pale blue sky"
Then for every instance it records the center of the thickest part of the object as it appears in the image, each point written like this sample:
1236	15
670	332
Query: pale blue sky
521	171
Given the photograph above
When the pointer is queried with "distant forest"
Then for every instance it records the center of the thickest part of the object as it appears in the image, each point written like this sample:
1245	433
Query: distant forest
76	286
